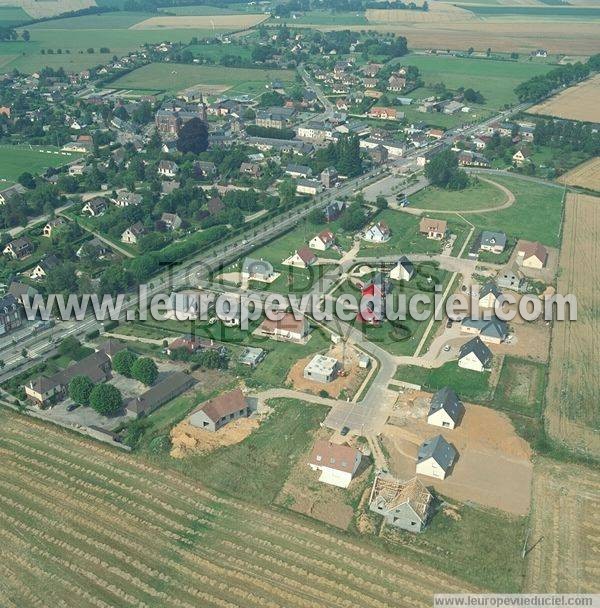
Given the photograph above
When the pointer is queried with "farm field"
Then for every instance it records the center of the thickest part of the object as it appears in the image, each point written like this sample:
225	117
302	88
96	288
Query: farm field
572	415
579	102
241	21
214	52
586	175
328	18
14	160
521	387
482	195
105	21
207	10
495	79
566	513
174	77
145	535
12	15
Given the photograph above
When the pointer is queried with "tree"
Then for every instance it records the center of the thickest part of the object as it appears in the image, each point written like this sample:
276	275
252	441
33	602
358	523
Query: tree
69	347
106	399
353	218
25	35
26	180
80	389
123	362
193	137
381	202
145	370
442	171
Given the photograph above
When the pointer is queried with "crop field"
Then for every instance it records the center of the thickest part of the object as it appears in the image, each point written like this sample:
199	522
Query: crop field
586	175
175	77
495	79
565	520
438	13
579	102
14	160
49	8
572	415
107	528
12	15
328	18
225	22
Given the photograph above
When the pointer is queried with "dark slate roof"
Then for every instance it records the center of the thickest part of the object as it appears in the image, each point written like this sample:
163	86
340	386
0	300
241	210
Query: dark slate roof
480	350
489	287
406	264
492	328
160	393
438	449
446	399
493	238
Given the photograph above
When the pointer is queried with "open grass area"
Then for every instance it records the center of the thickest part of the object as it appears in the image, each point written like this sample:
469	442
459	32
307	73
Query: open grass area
12	15
14	160
495	79
214	52
521	386
174	77
481	195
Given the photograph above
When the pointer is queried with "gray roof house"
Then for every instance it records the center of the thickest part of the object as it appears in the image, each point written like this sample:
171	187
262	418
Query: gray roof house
474	355
492	330
258	270
435	457
445	409
169	388
511	279
403	504
492	241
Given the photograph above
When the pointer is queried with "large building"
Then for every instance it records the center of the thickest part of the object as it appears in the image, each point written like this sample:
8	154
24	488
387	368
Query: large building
171	117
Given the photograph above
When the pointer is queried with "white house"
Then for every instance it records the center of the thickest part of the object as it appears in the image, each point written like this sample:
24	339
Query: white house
488	294
433	229
445	409
475	355
288	328
435	458
133	233
337	463
257	270
532	255
377	233
302	258
95	206
308	186
404	270
323	241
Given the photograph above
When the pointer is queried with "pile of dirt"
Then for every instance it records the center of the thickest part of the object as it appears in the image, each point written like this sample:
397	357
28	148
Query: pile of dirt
187	439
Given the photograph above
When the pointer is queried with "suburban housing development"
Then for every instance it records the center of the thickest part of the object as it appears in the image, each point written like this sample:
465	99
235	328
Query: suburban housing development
298	302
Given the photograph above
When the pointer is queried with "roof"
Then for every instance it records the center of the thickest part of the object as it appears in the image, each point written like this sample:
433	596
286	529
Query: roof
533	249
333	456
406	264
490	239
478	348
252	266
326	236
438	449
389	494
111	347
428	224
171	386
306	255
18	290
223	405
446	399
322	364
91	366
489	288
287	323
491	328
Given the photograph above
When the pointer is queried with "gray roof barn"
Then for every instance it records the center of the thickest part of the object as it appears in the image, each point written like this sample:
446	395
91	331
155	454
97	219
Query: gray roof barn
438	449
169	388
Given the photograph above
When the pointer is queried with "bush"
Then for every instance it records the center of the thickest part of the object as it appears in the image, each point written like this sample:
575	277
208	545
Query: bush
145	370
80	389
106	399
123	363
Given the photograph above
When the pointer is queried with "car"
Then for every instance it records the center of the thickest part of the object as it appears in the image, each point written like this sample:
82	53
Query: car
447	348
345	430
449	323
72	407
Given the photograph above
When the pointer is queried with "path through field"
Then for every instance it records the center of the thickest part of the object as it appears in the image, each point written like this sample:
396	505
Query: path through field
86	525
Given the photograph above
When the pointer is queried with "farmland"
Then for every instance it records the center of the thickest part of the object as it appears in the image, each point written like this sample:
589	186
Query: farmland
586	175
224	22
14	160
572	415
579	102
175	77
64	497
566	513
12	15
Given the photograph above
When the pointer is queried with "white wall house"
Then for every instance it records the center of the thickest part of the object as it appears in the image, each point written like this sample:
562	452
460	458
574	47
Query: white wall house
337	463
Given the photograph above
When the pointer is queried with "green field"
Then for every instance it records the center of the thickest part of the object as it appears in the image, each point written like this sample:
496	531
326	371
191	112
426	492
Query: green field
12	15
106	21
214	52
14	160
495	79
521	386
317	17
539	12
482	195
174	77
200	10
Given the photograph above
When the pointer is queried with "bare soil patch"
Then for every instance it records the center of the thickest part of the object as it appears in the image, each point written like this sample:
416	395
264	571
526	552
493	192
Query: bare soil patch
586	175
437	13
493	467
579	102
233	22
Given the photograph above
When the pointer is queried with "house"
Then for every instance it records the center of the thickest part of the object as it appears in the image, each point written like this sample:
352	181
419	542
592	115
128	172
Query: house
218	411
451	107
51	225
404	270
44	266
329	177
406	505
297	171
8	193
323	241
288	328
396	83
511	279
337	463
132	234
162	392
302	258
22	292
76	169
491	330
251	169
274	118
445	409
520	157
488	294
379	154
433	229
257	270
373	300
95	206
94	248
435	458
128	199
111	347
19	248
532	255
314	131
466	158
435	133
383	113
184	305
203	168
171	220
322	369
10	315
475	355
494	242
333	210
308	186
167	168
252	356
377	233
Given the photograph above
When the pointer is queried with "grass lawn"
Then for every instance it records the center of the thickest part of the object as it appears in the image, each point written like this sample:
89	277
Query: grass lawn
469	385
106	21
12	15
174	77
482	546
495	79
257	468
521	387
216	51
14	160
438	119
482	195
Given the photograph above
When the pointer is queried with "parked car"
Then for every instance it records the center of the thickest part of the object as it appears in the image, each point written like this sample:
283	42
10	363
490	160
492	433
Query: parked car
345	430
